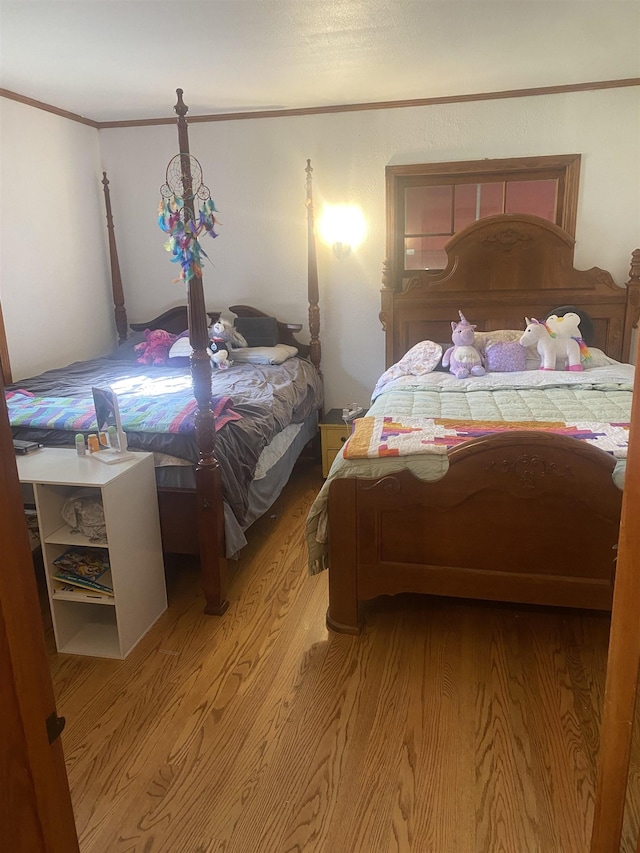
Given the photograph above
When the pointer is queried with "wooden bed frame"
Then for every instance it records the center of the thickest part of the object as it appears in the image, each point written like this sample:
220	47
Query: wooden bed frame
525	517
192	521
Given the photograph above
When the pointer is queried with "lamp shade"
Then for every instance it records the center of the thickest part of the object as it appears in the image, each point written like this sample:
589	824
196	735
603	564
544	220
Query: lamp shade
343	224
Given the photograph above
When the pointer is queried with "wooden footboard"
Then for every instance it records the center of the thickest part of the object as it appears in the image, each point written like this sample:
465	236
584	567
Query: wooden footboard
526	517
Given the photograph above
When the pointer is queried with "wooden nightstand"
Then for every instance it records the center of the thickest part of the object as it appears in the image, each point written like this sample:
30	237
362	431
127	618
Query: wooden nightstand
333	434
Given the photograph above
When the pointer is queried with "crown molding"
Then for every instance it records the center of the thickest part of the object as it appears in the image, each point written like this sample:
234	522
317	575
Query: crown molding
49	108
336	108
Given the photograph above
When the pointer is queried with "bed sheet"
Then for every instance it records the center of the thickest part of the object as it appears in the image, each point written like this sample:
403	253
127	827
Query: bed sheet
601	394
267	398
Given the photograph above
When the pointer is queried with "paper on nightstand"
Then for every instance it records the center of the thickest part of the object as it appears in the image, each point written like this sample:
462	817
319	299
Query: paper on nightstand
112	457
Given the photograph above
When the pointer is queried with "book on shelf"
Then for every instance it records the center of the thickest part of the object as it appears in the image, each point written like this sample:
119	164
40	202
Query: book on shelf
82	592
83	567
82	583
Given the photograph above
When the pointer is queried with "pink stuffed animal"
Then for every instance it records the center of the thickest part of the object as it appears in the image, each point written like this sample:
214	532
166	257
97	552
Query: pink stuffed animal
155	349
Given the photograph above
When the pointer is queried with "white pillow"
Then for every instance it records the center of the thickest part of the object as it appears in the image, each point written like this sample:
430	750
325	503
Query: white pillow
599	359
181	348
422	358
263	355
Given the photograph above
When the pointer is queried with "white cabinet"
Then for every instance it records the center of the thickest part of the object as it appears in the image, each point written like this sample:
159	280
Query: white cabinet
85	623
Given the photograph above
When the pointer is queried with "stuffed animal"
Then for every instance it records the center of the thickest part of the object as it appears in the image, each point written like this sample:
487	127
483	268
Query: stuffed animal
463	358
155	348
567	325
552	346
223	338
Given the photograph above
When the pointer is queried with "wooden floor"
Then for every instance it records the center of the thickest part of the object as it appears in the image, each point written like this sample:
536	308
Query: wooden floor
448	726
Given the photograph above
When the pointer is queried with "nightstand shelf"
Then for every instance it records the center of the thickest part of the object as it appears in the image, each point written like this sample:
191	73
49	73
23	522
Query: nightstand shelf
87	622
333	434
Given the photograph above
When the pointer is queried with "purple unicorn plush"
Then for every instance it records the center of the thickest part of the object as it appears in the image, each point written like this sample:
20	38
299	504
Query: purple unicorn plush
463	358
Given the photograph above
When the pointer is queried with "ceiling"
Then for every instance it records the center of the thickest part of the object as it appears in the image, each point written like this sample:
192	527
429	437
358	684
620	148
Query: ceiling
118	60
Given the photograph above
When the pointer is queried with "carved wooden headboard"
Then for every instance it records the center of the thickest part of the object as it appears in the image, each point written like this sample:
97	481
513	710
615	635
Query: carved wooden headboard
499	270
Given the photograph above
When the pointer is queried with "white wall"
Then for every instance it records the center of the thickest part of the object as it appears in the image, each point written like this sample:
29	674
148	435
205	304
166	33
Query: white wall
54	256
54	288
255	169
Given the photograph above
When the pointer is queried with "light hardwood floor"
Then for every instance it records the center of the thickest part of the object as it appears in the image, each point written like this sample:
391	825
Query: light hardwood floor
446	727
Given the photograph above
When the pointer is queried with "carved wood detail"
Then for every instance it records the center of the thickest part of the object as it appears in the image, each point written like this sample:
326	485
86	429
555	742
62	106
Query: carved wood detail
529	470
388	485
387	274
509	238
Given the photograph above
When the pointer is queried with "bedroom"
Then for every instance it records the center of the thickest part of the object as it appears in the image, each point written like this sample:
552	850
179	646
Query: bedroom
263	221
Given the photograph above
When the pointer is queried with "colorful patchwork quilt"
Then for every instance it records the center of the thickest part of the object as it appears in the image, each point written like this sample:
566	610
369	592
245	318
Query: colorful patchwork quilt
169	413
379	436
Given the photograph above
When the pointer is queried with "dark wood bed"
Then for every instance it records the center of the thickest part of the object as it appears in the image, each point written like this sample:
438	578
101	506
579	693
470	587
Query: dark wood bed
526	517
192	521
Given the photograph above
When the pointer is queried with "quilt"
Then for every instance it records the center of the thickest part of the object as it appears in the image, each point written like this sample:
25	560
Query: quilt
382	436
168	413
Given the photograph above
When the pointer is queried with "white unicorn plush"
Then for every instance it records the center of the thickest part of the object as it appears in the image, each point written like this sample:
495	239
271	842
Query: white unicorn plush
567	326
551	347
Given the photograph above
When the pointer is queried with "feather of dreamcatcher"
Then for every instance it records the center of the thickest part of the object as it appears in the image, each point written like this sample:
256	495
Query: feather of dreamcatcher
183	244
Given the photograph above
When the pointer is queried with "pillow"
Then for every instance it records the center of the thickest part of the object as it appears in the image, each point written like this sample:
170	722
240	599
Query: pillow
505	357
422	358
263	355
486	339
258	331
598	359
180	352
181	347
125	351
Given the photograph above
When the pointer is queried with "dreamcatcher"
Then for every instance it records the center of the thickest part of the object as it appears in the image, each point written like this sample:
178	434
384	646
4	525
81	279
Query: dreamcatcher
186	222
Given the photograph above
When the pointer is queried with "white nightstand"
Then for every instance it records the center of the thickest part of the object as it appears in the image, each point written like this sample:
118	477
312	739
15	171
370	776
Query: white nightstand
84	623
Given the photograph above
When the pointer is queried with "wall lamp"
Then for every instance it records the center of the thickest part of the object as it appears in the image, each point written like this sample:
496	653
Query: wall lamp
343	227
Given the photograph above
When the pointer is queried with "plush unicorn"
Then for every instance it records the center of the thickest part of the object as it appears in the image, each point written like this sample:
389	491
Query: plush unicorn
463	358
551	346
567	326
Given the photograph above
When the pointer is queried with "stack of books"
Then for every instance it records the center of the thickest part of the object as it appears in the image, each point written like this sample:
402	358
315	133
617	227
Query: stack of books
84	568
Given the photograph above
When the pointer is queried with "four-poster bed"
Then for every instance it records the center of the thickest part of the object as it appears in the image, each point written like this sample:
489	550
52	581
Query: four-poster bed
259	423
522	516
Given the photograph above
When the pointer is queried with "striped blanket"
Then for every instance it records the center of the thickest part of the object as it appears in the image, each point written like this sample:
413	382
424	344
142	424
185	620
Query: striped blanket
378	436
167	413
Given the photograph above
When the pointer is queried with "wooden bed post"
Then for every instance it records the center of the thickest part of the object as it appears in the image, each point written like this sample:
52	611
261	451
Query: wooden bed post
116	279
633	310
210	512
312	281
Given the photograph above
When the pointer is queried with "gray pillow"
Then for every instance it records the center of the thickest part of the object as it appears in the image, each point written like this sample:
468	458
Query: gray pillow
258	331
125	351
